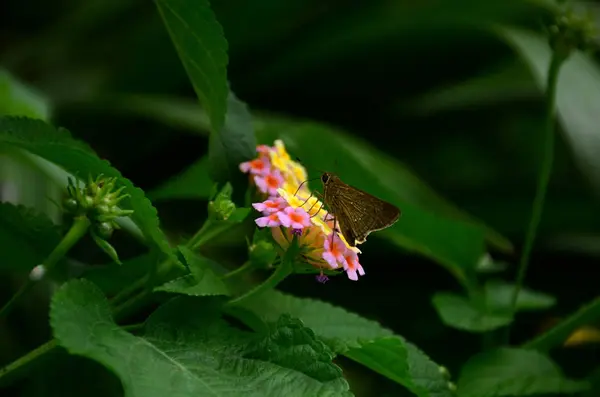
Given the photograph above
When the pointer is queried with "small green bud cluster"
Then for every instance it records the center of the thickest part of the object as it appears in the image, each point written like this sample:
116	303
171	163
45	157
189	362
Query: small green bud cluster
221	207
98	200
572	31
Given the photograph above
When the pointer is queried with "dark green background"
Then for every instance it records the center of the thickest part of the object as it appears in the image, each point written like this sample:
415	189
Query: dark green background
378	70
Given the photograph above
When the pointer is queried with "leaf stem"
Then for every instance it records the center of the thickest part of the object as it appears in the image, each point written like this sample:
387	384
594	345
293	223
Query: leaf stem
199	236
75	233
558	334
11	369
240	270
129	290
544	177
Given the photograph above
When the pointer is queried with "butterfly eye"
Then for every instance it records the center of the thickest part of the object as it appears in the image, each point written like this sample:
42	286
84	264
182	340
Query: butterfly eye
325	178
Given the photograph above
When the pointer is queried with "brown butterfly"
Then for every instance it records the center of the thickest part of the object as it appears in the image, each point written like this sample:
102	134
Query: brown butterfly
357	212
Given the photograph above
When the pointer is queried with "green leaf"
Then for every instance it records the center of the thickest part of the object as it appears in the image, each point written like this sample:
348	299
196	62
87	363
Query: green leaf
16	99
292	345
405	364
498	296
490	311
359	339
201	281
58	147
194	182
513	372
429	225
112	277
508	82
27	237
458	312
176	112
180	354
577	97
202	47
86	378
231	146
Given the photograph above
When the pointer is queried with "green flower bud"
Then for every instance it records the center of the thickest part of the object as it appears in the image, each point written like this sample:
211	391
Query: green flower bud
262	254
71	205
452	387
104	229
572	31
444	371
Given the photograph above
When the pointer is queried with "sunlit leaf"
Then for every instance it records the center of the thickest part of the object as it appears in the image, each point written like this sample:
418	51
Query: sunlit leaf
16	99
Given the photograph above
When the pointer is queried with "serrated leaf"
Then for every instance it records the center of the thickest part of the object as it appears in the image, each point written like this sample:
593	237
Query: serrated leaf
201	45
498	296
179	355
458	312
513	372
577	94
27	237
358	338
16	99
58	147
201	281
194	182
292	345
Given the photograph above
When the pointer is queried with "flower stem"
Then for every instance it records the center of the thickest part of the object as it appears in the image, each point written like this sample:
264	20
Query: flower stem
8	373
75	233
544	177
558	334
280	273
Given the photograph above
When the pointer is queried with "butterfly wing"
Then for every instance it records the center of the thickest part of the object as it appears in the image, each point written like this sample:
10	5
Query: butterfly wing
359	213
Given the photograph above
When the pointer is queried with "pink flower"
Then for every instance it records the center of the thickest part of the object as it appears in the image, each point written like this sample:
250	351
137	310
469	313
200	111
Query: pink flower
271	220
296	218
269	183
334	253
270	206
263	149
259	166
352	266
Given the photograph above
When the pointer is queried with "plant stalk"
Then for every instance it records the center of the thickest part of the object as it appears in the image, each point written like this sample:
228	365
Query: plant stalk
75	233
545	172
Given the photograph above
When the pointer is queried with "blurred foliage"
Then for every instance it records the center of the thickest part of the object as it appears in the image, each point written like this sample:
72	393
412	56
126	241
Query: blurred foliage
435	105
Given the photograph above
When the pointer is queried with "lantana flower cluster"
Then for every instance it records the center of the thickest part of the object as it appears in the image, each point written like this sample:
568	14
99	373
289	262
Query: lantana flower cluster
291	209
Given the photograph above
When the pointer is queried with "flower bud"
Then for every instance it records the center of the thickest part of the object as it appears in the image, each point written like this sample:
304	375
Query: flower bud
262	254
104	229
